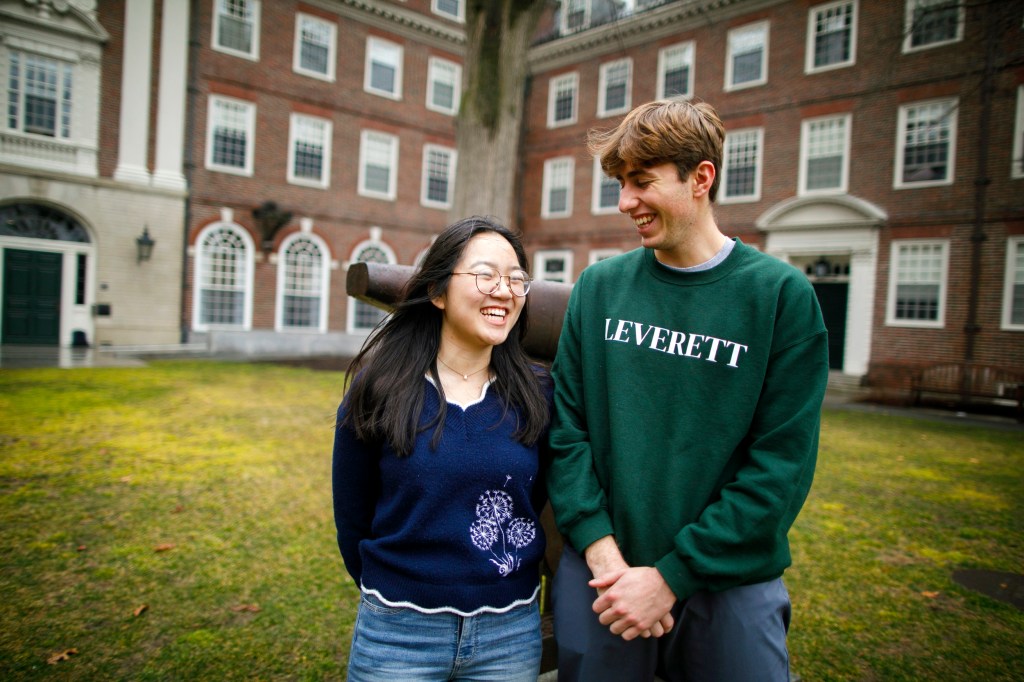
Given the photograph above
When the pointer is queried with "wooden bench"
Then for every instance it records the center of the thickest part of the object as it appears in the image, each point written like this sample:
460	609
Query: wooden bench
971	383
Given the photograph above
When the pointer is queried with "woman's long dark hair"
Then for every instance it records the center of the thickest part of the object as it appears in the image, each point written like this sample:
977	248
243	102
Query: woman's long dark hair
385	400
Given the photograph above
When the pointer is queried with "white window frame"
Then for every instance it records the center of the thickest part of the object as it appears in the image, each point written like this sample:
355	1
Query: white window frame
731	138
332	46
950	105
563	20
459	16
250	134
556	85
374	242
687	50
540	262
365	138
1013	275
733	37
908	26
388	53
200	266
296	121
322	286
894	282
254	52
1017	161
67	91
598	255
442	71
554	170
595	193
812	25
806	150
452	154
602	97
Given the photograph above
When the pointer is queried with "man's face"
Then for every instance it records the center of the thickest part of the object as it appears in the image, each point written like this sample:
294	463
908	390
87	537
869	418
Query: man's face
662	206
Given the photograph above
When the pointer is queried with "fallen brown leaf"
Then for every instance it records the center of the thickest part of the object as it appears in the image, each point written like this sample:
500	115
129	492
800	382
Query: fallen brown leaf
246	607
139	611
61	656
164	547
930	595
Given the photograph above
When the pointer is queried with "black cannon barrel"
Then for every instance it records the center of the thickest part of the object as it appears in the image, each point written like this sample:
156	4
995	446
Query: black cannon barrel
380	285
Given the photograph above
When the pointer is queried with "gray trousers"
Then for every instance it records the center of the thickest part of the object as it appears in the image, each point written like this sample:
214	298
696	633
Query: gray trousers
731	636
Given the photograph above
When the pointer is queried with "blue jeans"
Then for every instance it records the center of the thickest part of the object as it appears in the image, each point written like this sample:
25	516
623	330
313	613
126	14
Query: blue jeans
738	635
394	643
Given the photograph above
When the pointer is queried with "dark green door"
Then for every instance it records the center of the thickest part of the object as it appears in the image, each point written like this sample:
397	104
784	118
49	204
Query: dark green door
832	297
31	297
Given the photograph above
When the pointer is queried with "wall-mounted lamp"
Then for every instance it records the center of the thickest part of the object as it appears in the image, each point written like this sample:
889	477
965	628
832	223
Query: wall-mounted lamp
270	219
144	245
822	268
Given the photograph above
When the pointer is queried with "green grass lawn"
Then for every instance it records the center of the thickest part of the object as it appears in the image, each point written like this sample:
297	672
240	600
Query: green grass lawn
173	522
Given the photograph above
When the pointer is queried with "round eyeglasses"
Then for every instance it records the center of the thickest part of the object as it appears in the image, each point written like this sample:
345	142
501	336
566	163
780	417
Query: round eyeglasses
488	281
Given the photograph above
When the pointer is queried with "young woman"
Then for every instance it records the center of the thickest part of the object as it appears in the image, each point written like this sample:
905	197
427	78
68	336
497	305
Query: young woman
437	466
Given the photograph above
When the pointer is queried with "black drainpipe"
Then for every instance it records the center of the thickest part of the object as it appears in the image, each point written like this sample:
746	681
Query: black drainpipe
192	91
981	183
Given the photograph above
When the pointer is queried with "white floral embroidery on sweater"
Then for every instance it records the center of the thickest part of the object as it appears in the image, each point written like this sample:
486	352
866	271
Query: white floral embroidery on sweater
495	530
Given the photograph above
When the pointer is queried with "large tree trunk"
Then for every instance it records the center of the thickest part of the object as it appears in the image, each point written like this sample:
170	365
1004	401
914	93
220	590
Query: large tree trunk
498	35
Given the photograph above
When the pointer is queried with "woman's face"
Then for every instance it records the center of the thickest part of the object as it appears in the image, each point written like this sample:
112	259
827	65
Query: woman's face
472	320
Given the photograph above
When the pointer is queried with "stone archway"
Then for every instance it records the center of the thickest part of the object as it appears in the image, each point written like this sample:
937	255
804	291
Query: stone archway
843	232
37	272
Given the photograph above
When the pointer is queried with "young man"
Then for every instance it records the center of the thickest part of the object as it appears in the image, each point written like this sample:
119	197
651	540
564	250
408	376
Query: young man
689	379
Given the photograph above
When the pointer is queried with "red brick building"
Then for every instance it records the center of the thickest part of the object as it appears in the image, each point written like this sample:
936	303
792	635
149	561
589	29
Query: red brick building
877	145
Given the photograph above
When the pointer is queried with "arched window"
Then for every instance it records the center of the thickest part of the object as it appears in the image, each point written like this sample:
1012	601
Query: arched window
302	282
223	286
363	317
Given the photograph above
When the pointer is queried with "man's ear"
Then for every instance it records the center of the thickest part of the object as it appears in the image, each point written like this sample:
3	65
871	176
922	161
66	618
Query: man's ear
703	177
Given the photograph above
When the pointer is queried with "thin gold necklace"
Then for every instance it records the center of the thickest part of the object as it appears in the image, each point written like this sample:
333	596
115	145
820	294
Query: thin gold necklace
465	377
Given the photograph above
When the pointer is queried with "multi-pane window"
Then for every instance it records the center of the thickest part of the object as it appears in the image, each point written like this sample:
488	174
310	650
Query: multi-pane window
825	154
452	9
615	87
444	85
741	171
675	71
223	264
917	283
832	35
1013	292
557	202
926	144
315	41
365	316
563	92
229	140
930	23
438	176
605	191
598	255
309	151
302	285
575	15
1017	167
747	59
383	74
378	164
236	27
553	266
39	95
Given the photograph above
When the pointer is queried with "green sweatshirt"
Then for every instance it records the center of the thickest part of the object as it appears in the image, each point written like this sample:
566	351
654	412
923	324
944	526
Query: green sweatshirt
687	408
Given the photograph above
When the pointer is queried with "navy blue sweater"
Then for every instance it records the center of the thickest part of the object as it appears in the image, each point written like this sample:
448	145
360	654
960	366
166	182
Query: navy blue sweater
455	529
